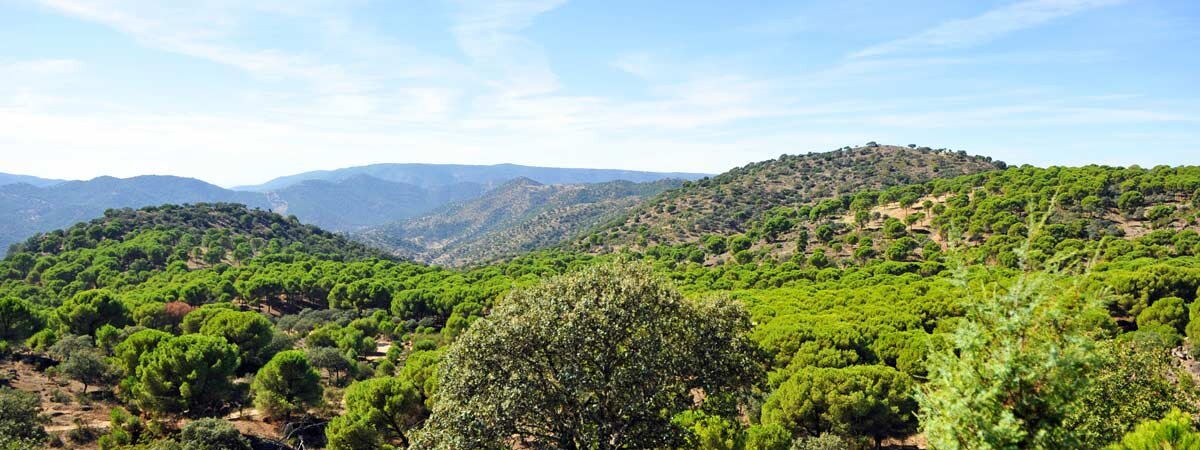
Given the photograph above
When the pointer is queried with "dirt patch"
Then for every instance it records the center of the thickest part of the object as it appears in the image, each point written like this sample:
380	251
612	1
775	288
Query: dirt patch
62	400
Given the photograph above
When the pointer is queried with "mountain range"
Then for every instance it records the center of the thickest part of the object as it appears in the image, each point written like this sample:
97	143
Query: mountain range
430	176
343	200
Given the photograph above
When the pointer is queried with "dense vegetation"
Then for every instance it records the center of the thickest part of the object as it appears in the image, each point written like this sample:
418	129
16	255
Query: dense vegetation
726	204
1021	308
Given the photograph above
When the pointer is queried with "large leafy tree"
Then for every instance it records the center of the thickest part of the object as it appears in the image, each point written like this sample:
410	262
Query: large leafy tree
378	409
251	332
286	385
601	359
187	374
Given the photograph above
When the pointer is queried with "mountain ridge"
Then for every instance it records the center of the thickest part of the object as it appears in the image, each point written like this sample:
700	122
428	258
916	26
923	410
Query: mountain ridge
488	175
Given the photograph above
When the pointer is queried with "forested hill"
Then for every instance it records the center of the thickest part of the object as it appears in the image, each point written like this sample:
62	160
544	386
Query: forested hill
987	213
520	216
727	203
197	235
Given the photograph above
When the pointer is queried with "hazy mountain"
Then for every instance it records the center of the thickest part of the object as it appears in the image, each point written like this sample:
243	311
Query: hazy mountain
362	201
9	178
439	175
518	216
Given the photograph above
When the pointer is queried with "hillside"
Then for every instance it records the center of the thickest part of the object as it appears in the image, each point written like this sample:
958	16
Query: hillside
488	177
26	209
725	204
200	234
519	216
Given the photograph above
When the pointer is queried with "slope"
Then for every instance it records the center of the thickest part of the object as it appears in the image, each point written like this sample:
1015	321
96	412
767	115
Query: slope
727	203
519	216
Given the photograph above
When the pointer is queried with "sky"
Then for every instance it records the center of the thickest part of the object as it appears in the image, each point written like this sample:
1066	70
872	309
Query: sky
241	91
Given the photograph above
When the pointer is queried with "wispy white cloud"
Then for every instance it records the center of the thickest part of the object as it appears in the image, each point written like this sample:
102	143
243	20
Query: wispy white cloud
41	67
488	31
986	27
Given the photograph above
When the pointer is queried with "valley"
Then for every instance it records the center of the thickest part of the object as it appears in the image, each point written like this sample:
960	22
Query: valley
846	299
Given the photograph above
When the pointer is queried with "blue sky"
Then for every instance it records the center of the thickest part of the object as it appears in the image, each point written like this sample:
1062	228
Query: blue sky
240	91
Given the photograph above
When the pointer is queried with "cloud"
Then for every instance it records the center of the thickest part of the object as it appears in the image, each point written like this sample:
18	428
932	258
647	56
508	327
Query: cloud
489	33
42	67
984	28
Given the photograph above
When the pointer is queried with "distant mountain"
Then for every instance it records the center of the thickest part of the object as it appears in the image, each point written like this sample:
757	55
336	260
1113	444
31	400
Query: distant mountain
518	216
341	200
8	178
440	175
728	203
26	209
362	201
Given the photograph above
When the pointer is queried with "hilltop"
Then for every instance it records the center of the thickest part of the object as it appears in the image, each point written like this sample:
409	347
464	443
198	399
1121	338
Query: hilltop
200	235
727	203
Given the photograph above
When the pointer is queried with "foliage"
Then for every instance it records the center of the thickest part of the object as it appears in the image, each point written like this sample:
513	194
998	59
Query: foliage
595	360
212	434
1175	431
186	374
88	368
18	319
1012	371
249	331
386	409
20	420
1168	311
857	401
1134	379
86	311
286	385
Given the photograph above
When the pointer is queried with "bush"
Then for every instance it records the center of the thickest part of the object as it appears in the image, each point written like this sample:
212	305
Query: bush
212	434
1167	311
20	420
825	441
1175	431
768	437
